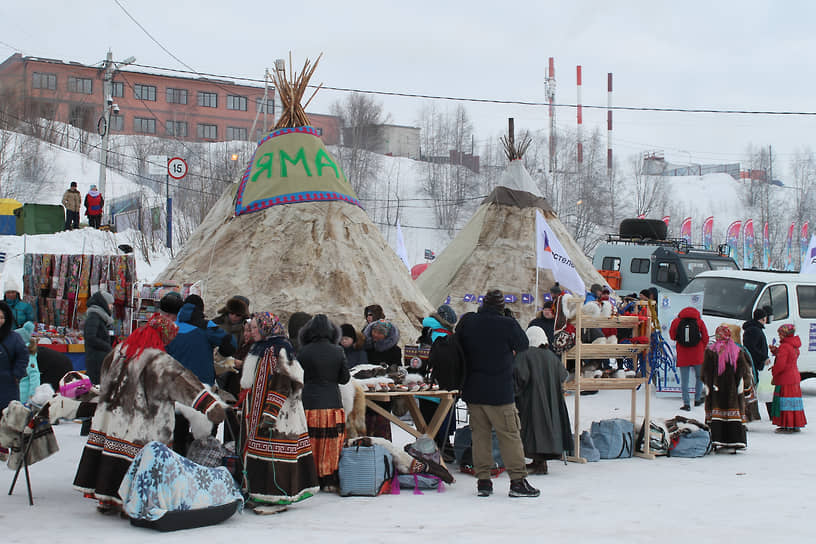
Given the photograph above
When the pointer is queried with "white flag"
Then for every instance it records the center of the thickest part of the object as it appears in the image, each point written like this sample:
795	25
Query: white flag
550	254
809	258
402	253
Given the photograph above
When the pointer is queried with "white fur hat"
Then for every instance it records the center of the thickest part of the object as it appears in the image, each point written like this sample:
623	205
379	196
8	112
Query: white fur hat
537	337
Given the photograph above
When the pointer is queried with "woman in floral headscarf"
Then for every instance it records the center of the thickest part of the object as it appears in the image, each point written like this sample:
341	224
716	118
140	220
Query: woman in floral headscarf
140	385
787	410
725	373
277	453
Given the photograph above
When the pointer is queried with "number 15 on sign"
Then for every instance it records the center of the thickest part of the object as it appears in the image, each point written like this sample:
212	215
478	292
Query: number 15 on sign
177	168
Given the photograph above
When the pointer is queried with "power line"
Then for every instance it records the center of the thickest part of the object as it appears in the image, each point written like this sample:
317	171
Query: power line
729	111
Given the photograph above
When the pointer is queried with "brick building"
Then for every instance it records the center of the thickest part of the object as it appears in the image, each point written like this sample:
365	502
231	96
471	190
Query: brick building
194	109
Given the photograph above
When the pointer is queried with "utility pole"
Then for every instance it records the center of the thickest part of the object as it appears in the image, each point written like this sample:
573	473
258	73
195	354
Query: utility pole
103	126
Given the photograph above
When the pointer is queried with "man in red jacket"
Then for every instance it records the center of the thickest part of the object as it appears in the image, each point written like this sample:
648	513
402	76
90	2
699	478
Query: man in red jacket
691	335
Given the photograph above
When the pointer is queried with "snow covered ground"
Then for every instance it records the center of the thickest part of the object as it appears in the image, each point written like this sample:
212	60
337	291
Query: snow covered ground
759	495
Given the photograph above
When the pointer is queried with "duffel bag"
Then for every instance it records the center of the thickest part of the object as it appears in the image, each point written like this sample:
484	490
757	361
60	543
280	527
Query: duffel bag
614	438
365	470
694	444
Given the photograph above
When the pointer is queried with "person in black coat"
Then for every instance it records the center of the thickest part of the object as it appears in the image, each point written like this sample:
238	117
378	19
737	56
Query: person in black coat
324	367
490	342
754	340
546	320
98	323
13	358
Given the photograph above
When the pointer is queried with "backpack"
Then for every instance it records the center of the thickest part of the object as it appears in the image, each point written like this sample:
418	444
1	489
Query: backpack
446	362
659	442
688	332
614	438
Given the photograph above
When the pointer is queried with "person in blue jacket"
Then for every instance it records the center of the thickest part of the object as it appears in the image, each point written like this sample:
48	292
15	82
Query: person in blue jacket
21	311
13	358
197	338
193	347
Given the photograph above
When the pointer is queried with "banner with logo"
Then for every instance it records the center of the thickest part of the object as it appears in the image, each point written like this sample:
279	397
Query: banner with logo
789	248
732	235
550	254
685	230
766	248
748	244
803	241
708	233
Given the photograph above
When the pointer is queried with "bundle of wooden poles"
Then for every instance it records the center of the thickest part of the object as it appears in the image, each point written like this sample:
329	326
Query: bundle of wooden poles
291	91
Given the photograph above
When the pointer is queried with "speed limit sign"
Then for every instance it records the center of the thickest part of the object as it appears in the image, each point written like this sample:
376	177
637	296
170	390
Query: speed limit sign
177	168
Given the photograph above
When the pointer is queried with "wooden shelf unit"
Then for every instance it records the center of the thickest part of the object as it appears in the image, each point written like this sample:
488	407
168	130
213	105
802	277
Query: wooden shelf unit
583	351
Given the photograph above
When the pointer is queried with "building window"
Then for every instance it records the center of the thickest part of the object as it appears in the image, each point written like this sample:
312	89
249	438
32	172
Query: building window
207	100
117	89
236	133
176	96
236	102
144	125
144	92
40	80
207	132
176	128
117	123
82	85
270	106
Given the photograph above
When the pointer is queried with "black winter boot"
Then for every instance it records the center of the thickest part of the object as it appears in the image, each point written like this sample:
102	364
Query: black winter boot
484	488
522	488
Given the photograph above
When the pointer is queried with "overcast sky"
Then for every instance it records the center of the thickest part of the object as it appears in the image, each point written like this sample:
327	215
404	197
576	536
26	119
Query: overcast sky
747	55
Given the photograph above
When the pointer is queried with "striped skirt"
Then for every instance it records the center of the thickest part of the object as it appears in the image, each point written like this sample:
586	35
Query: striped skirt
787	410
327	431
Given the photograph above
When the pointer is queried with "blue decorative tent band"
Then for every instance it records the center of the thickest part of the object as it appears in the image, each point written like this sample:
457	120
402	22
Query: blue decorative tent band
294	198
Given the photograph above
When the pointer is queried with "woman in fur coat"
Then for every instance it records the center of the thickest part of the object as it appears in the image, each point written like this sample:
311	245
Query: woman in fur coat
787	410
140	385
277	453
324	368
545	426
725	372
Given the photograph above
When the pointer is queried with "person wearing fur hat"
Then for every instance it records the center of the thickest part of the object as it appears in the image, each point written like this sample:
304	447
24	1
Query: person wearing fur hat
353	343
725	370
489	342
277	454
13	358
373	312
231	318
324	368
21	311
296	322
440	322
98	322
787	409
381	339
545	427
141	385
170	304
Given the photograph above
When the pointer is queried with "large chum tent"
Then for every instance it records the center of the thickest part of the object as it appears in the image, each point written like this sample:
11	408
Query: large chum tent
291	236
497	250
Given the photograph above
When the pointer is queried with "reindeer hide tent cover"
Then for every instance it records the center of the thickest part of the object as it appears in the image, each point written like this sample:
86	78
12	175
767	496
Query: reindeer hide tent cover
292	237
496	250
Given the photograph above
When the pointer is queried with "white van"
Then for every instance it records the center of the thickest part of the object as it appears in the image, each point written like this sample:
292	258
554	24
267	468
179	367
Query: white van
731	296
